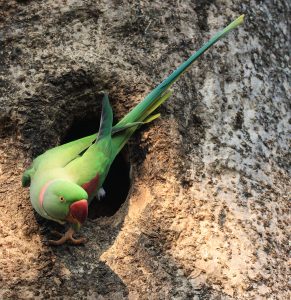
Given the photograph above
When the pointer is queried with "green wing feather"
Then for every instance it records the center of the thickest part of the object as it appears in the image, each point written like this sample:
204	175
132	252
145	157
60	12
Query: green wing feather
62	155
97	158
57	157
27	175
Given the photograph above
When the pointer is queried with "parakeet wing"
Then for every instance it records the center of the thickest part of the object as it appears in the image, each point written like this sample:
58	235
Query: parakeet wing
91	168
58	157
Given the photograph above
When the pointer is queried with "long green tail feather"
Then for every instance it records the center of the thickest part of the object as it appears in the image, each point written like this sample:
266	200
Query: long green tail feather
162	87
121	128
158	95
120	140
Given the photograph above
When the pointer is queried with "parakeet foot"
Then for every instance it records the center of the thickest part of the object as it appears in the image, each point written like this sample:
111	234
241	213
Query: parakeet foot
68	236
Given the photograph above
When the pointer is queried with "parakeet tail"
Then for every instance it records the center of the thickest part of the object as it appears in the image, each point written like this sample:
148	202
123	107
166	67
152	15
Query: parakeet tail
161	93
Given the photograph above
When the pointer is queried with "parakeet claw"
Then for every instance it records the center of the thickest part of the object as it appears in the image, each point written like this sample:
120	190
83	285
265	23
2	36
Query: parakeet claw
68	236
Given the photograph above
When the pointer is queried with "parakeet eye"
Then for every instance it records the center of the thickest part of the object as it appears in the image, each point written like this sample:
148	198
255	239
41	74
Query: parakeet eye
62	199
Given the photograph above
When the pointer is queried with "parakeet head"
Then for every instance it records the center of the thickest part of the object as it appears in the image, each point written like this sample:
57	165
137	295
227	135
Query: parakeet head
65	201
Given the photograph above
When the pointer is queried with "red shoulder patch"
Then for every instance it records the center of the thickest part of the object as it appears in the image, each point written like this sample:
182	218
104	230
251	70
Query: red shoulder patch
91	186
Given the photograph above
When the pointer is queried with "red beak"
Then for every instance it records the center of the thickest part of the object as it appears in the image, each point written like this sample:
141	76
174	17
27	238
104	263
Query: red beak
79	210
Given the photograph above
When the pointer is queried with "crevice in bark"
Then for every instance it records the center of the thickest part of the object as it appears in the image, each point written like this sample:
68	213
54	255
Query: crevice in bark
80	128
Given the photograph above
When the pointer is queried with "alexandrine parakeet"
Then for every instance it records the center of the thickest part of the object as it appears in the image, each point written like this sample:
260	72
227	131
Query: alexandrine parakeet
65	179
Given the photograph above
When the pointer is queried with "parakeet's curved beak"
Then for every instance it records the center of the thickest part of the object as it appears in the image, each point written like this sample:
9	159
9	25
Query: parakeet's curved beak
79	210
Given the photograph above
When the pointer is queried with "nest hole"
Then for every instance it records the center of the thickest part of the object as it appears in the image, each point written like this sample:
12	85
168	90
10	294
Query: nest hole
117	182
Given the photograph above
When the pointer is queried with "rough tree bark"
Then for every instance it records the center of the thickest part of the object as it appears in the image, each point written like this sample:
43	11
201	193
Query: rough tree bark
206	215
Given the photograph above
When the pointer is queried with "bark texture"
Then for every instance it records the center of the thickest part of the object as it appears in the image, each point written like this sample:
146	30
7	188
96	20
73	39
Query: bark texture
207	213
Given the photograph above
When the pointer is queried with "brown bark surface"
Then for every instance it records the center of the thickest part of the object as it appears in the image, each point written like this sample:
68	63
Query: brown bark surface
207	213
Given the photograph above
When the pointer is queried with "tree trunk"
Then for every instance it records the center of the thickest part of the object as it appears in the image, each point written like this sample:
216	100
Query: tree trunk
206	216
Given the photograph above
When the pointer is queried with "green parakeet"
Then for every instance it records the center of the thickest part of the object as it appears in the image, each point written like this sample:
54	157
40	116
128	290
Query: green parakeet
64	180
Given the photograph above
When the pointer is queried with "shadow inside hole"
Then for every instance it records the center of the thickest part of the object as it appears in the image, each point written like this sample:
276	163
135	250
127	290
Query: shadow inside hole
117	182
81	128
